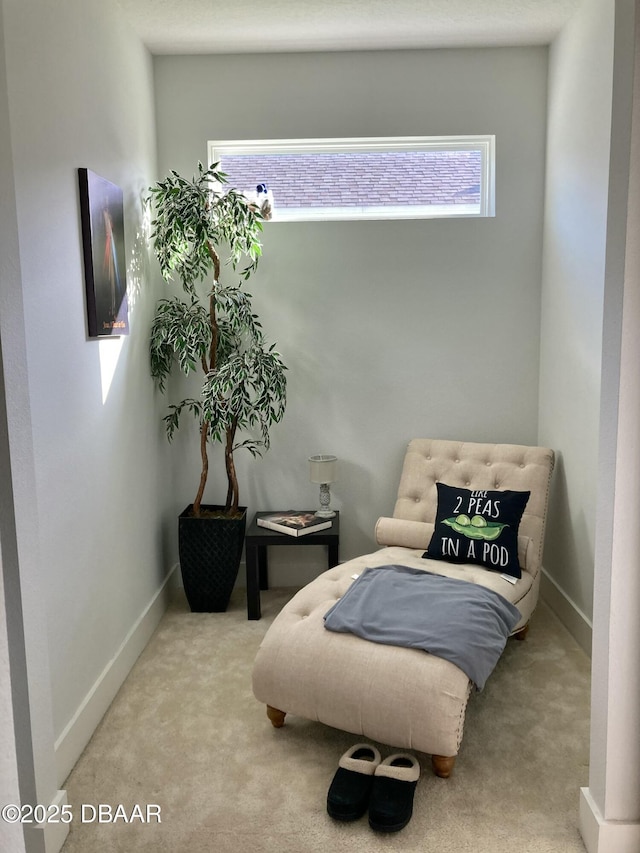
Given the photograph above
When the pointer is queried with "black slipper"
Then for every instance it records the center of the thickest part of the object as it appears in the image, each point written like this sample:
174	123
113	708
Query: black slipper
394	784
348	795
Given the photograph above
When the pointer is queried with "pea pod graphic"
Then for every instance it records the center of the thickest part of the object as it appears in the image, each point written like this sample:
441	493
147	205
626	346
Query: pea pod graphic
476	527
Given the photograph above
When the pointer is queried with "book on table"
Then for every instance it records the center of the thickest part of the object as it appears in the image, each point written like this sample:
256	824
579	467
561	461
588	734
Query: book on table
294	522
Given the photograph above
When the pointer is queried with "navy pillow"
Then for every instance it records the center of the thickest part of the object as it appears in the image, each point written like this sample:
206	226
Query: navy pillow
478	527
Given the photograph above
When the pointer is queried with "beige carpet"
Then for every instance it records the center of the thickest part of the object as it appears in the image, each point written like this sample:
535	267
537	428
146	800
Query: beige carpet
186	733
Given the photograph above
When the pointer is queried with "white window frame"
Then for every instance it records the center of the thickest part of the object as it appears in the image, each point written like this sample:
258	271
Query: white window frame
217	149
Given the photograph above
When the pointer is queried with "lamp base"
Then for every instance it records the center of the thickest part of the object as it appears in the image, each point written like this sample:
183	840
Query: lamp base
325	510
325	513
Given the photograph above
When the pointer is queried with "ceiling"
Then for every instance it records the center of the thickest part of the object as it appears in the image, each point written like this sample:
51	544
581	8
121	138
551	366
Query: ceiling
264	26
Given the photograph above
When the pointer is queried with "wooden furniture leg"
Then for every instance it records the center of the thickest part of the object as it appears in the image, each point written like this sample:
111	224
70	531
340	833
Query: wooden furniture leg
443	765
522	633
276	717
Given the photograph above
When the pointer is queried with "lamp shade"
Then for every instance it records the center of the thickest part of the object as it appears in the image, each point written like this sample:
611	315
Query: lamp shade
322	468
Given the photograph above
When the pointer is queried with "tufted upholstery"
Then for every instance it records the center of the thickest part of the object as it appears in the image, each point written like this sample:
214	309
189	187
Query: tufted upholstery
476	466
402	697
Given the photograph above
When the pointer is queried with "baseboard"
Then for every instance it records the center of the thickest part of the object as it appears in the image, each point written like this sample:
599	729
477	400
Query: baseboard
574	620
49	837
71	743
176	587
601	836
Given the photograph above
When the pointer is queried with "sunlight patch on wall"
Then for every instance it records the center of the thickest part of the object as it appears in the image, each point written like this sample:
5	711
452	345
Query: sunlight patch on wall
138	262
110	349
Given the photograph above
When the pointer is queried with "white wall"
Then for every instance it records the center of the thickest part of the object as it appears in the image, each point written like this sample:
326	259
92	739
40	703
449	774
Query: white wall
11	837
80	94
580	85
610	806
390	330
27	725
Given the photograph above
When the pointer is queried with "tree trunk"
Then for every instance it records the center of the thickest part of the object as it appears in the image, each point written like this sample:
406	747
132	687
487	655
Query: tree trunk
232	493
204	434
213	322
207	368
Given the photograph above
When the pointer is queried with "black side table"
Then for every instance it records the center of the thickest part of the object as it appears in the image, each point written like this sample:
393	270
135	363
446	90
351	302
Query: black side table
258	538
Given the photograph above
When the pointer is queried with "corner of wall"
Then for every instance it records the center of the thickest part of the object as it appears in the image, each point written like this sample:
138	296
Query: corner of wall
567	611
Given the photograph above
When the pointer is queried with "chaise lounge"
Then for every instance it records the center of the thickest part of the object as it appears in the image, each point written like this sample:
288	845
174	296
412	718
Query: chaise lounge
403	696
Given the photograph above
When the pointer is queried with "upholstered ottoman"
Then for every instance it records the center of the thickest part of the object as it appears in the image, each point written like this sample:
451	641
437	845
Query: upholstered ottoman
403	697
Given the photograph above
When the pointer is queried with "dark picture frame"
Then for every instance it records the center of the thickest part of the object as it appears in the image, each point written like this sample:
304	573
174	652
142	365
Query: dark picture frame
102	218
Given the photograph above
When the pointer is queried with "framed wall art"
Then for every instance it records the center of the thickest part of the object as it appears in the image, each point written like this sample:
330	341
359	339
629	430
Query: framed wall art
102	217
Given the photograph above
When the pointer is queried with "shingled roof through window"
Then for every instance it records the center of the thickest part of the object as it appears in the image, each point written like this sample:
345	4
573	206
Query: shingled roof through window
357	179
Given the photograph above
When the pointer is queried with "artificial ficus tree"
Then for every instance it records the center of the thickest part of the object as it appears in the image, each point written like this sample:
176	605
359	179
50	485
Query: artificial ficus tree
199	227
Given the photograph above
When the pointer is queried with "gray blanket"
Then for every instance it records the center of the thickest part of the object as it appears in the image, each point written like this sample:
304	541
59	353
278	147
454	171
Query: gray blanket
460	621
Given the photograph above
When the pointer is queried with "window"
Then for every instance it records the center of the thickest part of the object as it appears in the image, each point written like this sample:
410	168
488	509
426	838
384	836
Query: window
390	178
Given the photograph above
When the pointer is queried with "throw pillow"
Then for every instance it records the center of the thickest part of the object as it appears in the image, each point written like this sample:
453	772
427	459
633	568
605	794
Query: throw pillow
478	527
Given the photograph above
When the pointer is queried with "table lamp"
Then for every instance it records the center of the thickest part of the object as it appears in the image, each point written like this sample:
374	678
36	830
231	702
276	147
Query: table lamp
323	471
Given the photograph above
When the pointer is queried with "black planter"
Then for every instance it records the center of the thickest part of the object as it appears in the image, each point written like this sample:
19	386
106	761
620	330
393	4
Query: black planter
210	550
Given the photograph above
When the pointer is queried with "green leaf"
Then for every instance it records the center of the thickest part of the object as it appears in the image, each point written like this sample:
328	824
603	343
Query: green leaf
195	224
